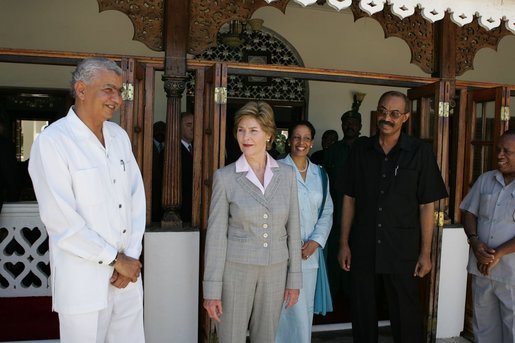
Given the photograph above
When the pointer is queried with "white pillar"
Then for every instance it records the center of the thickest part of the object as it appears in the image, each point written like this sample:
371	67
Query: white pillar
171	280
453	283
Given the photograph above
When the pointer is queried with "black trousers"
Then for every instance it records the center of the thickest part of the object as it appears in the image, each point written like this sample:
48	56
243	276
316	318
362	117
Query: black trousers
402	294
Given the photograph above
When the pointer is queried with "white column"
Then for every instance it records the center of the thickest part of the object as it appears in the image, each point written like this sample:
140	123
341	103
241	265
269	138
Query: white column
171	280
453	283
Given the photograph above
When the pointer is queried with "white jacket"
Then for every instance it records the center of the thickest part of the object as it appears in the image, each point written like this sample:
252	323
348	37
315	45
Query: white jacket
92	202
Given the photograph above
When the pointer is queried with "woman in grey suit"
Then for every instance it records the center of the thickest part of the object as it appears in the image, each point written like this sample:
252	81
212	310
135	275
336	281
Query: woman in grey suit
252	256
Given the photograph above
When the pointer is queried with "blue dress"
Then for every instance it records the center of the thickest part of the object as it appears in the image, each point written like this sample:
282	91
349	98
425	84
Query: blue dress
295	323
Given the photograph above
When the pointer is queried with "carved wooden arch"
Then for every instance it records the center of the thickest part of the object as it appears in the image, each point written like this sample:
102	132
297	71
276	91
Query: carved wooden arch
471	38
207	17
419	34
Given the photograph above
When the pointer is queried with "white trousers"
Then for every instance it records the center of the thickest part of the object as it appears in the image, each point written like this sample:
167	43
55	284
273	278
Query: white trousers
296	322
120	322
494	306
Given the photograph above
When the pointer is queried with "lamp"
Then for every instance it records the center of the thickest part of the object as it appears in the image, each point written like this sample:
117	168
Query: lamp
358	99
234	36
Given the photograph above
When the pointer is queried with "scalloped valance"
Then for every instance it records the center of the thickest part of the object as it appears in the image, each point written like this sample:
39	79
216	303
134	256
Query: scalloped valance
490	13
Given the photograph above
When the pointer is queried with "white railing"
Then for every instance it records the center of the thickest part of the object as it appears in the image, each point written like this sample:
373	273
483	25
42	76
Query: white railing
24	260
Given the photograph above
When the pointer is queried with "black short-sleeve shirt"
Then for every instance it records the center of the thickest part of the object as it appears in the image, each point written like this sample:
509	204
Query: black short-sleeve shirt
388	189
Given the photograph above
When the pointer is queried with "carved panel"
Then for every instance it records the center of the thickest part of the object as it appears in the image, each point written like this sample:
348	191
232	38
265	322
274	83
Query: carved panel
207	17
473	37
24	256
414	30
145	15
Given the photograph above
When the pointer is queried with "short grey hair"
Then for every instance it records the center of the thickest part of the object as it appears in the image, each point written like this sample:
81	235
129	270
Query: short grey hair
88	68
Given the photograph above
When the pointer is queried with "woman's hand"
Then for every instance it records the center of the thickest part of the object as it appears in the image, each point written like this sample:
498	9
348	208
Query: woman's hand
291	296
309	249
213	308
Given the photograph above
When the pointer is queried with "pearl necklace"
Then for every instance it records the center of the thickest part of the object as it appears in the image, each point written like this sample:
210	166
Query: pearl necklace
303	170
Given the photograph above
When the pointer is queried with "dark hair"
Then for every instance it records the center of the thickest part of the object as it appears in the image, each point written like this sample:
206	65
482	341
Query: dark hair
395	94
301	123
329	133
185	114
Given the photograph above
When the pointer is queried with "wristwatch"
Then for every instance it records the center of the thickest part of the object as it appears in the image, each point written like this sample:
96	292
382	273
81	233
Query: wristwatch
469	237
114	261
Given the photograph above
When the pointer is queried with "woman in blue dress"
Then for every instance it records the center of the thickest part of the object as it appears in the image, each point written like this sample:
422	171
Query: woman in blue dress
316	217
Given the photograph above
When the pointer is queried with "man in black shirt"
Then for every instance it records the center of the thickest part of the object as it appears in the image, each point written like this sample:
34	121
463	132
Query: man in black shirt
390	185
328	138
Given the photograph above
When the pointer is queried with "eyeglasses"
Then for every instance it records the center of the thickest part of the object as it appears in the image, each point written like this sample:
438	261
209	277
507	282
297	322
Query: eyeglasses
395	114
304	139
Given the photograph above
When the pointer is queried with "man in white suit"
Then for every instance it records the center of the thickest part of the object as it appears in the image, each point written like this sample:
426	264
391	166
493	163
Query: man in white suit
92	202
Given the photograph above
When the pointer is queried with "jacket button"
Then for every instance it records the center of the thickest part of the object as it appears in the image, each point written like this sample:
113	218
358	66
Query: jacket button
265	216
265	235
265	245
100	262
265	226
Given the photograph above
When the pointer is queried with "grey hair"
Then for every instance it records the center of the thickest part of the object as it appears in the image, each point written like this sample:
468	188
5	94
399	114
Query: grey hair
88	68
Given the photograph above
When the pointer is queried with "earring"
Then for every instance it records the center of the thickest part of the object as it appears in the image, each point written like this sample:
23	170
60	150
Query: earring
311	147
268	140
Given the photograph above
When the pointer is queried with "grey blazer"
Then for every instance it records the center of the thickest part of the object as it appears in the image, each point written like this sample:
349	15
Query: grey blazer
249	227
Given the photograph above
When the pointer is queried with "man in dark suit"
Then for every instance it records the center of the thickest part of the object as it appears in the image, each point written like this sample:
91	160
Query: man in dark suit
328	138
157	170
187	165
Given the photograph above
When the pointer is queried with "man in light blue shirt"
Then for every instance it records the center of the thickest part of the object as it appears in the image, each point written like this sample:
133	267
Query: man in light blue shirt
489	222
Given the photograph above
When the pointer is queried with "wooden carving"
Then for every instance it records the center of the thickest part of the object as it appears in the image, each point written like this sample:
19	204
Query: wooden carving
207	17
414	30
473	37
145	15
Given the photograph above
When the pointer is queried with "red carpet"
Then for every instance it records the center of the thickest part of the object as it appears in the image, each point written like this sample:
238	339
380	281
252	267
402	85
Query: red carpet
28	318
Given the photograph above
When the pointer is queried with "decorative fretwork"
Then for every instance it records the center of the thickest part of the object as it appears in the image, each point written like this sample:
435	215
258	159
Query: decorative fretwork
473	37
206	19
414	30
145	15
264	41
24	259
